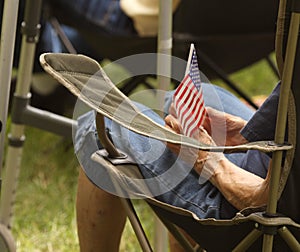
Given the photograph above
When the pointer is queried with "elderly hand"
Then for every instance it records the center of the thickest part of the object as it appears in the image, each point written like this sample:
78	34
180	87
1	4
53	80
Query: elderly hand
240	187
185	153
196	158
223	127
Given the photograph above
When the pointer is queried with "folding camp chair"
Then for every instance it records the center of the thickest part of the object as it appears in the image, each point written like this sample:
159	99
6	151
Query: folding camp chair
249	226
274	227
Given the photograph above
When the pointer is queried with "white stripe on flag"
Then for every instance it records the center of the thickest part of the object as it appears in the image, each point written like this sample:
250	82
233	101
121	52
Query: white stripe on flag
188	98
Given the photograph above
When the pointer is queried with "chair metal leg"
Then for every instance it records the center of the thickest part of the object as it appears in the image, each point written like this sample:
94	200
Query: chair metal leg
163	70
289	239
136	225
133	217
187	246
248	241
272	66
281	122
268	243
282	109
16	138
8	34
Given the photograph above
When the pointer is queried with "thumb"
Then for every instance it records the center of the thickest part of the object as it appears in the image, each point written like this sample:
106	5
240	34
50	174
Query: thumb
173	124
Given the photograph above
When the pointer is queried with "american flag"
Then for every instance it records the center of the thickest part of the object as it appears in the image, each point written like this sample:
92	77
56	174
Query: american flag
188	99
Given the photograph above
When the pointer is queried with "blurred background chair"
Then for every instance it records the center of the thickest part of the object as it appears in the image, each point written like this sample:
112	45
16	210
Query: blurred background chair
228	37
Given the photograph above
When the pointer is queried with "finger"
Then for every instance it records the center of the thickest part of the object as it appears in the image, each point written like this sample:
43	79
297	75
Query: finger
172	123
172	110
204	136
207	122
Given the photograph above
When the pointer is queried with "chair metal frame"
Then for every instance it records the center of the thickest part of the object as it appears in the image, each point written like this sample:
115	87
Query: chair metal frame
22	113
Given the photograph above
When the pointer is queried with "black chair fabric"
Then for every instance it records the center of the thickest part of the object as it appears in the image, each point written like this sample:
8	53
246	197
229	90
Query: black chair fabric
233	34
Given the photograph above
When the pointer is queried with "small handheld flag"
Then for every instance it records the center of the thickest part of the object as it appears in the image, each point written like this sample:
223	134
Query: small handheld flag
188	98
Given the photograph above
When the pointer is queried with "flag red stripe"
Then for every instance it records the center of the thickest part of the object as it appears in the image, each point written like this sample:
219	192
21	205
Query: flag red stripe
192	111
195	125
189	109
194	118
185	98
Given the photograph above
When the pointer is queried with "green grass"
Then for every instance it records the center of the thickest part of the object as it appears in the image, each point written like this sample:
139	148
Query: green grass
44	218
256	80
44	212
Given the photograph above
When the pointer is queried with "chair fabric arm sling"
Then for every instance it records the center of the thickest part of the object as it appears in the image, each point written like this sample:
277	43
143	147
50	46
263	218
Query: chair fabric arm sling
250	229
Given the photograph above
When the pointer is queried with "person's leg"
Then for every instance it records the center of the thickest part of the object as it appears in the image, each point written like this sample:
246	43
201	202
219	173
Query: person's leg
153	155
100	217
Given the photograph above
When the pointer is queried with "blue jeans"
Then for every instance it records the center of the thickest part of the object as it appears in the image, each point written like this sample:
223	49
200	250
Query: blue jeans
182	189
